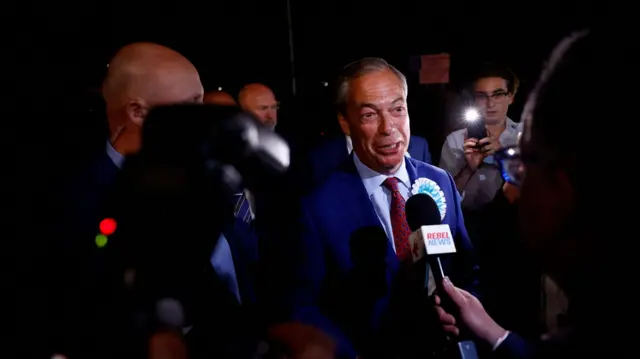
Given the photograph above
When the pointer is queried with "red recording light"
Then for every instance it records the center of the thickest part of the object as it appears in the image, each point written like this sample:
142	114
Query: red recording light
108	226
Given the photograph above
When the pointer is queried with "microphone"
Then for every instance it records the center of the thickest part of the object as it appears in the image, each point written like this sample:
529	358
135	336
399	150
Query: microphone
369	247
429	236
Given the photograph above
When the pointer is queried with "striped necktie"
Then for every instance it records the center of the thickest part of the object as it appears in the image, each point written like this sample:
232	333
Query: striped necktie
242	209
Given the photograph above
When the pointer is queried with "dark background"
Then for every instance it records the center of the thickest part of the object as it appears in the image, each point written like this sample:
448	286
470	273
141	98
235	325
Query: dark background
62	50
55	54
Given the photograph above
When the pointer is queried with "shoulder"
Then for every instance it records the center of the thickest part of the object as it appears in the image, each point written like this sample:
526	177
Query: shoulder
455	138
417	140
427	170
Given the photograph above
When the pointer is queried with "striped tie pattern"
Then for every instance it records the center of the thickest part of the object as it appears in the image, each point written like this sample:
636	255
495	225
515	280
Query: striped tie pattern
242	209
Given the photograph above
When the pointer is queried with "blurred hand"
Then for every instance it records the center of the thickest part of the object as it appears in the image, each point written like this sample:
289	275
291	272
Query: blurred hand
489	145
472	154
511	192
473	315
167	345
303	341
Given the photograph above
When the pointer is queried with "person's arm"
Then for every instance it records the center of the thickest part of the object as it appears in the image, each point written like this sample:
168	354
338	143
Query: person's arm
505	344
452	160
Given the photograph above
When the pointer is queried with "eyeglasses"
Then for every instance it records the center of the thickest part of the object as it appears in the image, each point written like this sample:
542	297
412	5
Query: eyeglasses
497	97
511	164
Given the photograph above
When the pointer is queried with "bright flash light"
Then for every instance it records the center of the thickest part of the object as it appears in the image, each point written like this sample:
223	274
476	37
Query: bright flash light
471	115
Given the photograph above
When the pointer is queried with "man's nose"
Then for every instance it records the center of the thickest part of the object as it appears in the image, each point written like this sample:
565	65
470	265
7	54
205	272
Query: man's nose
387	126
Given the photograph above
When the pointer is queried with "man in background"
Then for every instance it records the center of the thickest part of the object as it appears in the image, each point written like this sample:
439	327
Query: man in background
564	223
470	160
260	101
219	98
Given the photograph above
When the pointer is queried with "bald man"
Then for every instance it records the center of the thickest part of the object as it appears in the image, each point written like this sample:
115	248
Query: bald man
260	101
219	98
140	76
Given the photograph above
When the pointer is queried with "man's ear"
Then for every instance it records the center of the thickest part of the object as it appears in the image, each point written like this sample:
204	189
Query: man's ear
344	125
511	97
137	110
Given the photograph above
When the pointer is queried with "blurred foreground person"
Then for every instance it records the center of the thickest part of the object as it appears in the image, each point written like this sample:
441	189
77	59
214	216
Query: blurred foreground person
570	212
140	77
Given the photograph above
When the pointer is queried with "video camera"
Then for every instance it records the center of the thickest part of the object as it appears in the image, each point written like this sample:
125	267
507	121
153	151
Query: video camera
173	198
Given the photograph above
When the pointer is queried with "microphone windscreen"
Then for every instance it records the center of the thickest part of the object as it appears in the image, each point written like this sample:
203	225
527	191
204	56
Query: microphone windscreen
422	210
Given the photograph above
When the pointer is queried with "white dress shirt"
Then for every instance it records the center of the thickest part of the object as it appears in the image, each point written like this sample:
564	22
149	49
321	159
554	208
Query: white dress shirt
379	195
381	198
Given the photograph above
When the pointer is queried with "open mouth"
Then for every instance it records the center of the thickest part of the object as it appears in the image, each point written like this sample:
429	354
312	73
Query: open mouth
389	149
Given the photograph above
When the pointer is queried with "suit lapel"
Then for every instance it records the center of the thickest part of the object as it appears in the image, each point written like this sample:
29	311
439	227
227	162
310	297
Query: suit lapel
411	170
360	207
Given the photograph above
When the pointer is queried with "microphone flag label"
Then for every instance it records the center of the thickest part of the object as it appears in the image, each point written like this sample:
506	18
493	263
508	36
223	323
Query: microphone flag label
437	239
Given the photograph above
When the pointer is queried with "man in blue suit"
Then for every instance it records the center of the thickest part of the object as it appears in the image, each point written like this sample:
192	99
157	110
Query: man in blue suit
140	76
330	153
369	189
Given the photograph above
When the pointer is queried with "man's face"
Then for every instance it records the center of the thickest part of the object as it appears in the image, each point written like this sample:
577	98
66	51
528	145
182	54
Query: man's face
377	119
492	98
264	107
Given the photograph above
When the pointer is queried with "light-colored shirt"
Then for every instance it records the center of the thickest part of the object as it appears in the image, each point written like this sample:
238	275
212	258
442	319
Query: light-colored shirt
379	195
115	156
221	258
350	146
381	198
222	262
487	180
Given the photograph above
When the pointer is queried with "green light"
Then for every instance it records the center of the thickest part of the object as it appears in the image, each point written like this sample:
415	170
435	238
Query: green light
101	240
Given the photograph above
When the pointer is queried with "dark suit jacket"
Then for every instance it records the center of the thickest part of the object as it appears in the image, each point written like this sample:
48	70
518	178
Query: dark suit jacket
85	278
327	157
330	215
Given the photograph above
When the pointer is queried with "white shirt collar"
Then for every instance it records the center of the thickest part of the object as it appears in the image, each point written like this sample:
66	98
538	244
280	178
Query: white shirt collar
115	156
372	180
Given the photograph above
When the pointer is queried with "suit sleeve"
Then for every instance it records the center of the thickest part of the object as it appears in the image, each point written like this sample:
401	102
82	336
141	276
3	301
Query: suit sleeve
515	347
465	266
309	274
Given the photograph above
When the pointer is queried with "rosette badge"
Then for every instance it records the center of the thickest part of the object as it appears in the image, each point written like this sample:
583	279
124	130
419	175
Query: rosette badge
430	187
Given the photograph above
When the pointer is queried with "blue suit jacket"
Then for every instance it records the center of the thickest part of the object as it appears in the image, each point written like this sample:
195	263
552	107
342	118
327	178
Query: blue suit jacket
329	216
327	157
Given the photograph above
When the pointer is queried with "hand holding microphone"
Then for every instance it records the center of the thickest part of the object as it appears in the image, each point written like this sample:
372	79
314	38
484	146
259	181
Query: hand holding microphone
472	314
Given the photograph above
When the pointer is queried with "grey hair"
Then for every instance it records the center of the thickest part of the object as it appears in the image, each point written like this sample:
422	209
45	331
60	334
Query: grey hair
358	69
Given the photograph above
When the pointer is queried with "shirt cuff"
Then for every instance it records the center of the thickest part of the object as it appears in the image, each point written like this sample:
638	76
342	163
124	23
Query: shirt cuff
500	340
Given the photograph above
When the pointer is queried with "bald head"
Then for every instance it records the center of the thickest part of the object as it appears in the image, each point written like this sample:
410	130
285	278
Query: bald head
219	98
143	75
259	100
